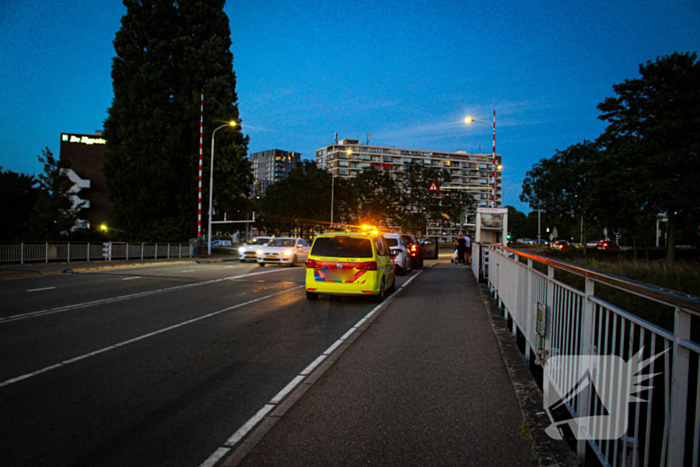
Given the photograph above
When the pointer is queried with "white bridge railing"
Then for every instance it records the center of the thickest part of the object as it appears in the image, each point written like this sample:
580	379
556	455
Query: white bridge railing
47	252
549	318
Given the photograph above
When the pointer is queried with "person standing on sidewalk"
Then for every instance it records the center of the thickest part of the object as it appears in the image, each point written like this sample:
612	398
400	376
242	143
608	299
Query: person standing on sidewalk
468	242
461	249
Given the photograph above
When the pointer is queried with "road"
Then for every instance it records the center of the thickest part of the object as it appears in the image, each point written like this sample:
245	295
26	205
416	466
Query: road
152	366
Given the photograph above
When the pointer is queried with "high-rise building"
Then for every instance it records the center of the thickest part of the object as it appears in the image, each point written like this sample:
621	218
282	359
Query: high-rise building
470	172
271	166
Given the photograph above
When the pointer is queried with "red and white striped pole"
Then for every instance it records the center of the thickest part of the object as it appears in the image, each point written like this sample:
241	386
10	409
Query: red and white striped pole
201	130
493	167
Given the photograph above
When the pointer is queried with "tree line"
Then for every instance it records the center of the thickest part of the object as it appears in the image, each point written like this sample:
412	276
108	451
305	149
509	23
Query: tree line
302	201
646	164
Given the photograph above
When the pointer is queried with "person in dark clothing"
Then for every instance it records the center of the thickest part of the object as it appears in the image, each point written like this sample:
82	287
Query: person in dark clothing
461	249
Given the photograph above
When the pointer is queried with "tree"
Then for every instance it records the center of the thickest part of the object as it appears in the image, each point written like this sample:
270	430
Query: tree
376	199
564	184
166	53
653	137
18	194
420	205
300	200
54	214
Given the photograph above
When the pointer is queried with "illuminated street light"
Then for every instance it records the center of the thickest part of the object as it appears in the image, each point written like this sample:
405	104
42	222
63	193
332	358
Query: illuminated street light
493	165
211	181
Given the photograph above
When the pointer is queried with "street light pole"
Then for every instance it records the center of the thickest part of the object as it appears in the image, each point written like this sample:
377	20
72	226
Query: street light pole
493	158
332	195
211	182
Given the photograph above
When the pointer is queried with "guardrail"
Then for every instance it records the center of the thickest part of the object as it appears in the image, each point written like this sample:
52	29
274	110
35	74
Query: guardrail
549	318
47	252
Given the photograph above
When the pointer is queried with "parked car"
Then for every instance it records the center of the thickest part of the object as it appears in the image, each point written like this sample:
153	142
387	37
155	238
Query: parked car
349	263
399	250
524	241
247	251
283	250
594	244
221	243
429	248
414	250
560	244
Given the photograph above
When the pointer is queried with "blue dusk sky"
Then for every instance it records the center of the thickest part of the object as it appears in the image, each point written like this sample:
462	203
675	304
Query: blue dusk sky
406	72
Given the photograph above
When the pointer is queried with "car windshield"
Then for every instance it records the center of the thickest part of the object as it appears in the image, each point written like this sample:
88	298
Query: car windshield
390	241
342	247
282	242
258	241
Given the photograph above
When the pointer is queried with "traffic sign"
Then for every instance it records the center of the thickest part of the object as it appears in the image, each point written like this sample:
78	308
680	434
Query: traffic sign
433	187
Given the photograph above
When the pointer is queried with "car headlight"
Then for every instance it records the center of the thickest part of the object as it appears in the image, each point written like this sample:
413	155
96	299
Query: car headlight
288	252
259	252
241	250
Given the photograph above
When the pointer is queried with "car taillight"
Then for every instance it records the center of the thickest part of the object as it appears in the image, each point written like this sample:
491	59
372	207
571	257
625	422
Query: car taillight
312	263
367	266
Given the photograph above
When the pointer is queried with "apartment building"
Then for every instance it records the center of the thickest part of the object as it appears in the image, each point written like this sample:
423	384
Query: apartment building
271	166
470	172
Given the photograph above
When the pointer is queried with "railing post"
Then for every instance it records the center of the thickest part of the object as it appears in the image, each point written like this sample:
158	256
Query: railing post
68	253
127	251
47	251
142	250
528	308
155	252
679	388
588	322
21	253
87	255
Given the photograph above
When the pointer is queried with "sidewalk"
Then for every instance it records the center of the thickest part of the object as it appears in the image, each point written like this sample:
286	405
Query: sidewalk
424	383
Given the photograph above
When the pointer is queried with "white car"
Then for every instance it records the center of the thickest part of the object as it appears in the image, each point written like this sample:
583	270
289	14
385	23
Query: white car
247	251
399	250
283	250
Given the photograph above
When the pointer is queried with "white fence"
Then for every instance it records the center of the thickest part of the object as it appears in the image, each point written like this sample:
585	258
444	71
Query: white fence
66	252
548	318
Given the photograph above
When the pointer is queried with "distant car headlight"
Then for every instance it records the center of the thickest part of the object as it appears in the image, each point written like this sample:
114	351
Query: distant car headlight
288	252
241	250
259	252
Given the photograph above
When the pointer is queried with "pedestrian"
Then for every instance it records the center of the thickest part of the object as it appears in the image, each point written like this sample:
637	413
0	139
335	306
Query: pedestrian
461	249
468	242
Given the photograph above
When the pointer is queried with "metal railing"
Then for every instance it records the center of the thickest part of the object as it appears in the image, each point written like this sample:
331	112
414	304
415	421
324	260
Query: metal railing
66	252
548	318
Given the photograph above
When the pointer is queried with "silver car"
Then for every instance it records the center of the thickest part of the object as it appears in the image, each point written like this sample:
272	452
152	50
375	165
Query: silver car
399	250
247	251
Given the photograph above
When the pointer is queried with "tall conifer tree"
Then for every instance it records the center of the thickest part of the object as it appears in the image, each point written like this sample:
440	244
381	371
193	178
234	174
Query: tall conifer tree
166	53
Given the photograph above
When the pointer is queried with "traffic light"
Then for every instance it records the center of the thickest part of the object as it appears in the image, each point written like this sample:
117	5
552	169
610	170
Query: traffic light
508	236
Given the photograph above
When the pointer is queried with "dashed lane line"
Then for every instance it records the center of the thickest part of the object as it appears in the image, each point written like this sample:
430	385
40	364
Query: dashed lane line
104	301
140	338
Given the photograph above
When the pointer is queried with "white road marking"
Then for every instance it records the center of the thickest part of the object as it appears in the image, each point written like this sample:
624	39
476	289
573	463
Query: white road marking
129	297
262	413
242	431
188	270
131	278
39	290
140	338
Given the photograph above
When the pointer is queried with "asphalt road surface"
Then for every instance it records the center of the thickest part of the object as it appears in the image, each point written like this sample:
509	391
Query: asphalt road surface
152	366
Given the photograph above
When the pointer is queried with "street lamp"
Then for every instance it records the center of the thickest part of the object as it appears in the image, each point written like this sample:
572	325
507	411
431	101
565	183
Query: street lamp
493	164
211	181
